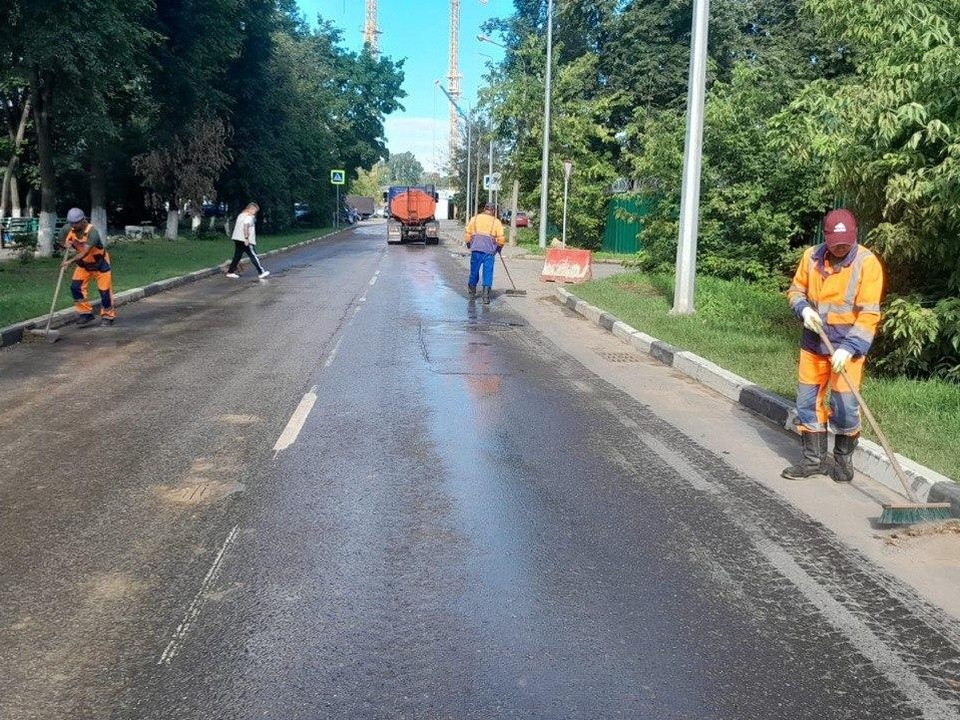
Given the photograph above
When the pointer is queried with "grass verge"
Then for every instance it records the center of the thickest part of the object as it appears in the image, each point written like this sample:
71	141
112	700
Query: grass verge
752	332
26	288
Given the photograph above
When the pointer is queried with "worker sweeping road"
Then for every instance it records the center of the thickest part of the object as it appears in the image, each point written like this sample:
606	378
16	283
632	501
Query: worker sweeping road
93	262
836	289
484	236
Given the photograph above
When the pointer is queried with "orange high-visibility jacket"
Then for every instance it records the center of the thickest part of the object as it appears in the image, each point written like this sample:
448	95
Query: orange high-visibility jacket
484	233
92	256
846	295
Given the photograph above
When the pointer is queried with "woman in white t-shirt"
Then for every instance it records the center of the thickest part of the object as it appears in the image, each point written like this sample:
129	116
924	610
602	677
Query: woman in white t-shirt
245	241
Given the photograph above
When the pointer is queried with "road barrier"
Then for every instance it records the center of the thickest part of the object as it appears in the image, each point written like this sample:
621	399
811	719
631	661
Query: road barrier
567	266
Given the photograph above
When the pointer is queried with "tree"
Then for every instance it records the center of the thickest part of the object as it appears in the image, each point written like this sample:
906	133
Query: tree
370	183
405	169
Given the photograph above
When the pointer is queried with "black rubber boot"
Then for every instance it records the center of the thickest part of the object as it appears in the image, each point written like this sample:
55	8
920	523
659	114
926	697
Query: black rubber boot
473	291
843	449
486	296
814	453
85	319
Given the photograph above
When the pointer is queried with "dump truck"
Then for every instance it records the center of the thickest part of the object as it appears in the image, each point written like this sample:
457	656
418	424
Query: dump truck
411	211
362	205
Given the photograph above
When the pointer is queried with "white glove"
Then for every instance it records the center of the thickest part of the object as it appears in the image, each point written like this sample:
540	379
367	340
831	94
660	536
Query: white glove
811	320
839	359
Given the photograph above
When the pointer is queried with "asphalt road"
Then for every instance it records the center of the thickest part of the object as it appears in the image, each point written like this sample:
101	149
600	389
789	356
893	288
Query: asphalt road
347	493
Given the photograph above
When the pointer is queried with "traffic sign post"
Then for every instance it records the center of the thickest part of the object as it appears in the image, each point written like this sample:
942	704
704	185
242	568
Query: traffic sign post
337	178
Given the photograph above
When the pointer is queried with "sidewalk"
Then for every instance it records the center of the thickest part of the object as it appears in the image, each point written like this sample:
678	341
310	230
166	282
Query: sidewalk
757	447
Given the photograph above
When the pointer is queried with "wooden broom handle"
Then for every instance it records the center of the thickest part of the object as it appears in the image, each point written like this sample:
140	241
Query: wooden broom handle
873	423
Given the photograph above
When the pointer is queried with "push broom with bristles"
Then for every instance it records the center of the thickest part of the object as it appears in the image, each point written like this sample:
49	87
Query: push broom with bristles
906	513
513	290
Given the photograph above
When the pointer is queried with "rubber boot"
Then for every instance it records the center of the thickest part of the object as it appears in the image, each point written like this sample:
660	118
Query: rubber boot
486	296
814	453
85	319
843	449
473	291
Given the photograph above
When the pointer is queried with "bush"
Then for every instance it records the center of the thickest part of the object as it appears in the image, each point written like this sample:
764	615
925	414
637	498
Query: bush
920	342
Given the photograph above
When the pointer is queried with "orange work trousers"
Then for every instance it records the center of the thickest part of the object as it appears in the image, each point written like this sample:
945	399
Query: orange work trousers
78	288
815	377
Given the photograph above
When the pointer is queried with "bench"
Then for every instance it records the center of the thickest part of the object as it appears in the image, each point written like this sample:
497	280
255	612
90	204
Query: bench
11	227
140	231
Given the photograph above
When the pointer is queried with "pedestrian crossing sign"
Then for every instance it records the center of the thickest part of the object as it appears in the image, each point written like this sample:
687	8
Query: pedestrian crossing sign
338	177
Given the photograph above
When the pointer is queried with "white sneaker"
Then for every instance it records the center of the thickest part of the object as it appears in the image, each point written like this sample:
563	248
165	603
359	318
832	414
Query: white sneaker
263	274
232	275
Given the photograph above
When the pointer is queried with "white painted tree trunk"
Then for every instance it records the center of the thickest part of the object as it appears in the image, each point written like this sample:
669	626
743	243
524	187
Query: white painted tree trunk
98	199
15	209
195	221
48	225
173	223
5	189
98	216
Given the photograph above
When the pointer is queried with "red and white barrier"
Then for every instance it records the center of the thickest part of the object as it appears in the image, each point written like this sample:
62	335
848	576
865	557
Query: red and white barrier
567	266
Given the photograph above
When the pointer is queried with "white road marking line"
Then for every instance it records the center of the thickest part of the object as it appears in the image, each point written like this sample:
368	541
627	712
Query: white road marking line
299	417
373	280
180	634
333	353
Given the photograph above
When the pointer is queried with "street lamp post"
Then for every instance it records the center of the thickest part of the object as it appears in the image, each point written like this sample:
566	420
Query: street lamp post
567	167
545	160
466	186
692	154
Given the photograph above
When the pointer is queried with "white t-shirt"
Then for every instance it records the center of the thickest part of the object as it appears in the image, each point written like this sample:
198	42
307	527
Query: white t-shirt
245	220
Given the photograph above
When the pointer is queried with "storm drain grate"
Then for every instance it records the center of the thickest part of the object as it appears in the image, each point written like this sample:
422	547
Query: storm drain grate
618	357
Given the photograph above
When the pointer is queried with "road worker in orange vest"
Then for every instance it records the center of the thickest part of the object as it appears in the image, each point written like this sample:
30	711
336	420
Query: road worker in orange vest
93	263
484	236
836	289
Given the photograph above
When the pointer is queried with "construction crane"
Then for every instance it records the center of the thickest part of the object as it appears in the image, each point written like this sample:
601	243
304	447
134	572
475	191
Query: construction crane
454	75
370	31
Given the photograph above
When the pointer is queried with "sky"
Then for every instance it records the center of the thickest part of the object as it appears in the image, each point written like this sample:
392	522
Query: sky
419	30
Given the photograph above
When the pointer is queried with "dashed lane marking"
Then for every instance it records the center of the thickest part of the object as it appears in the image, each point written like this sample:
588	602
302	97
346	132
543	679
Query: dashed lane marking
193	611
299	417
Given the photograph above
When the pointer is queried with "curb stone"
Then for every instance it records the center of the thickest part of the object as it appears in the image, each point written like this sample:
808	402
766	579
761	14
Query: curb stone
869	459
12	334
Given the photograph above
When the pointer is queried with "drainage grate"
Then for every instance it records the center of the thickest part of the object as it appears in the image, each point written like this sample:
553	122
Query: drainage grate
618	357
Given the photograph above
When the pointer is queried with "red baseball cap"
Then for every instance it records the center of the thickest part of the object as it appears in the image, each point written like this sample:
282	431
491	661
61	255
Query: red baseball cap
839	228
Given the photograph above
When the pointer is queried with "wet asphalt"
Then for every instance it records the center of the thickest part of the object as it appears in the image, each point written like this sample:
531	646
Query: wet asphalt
467	524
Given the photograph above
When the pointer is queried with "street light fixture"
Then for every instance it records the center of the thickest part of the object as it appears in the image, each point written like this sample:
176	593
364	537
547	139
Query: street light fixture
488	39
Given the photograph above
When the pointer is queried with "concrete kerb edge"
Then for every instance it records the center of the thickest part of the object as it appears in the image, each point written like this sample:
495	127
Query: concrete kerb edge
869	459
13	334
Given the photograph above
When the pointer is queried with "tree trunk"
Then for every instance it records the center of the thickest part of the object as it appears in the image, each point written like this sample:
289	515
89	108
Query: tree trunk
195	221
98	198
5	190
173	221
40	93
29	202
15	210
11	188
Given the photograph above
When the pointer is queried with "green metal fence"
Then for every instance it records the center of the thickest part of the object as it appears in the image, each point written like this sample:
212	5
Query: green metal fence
620	234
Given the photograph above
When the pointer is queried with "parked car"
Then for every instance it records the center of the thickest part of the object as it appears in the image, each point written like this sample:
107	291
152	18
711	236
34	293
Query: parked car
522	219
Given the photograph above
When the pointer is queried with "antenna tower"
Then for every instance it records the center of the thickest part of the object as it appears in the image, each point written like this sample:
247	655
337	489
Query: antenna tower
454	76
370	31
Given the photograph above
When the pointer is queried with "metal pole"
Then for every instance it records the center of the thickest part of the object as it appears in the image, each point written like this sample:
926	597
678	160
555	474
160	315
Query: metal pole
692	156
490	170
336	211
545	160
466	184
566	187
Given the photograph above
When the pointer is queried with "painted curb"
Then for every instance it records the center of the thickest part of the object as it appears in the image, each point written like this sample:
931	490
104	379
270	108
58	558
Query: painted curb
869	459
12	334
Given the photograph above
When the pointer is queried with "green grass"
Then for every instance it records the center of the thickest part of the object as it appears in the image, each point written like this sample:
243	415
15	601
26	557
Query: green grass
26	288
752	332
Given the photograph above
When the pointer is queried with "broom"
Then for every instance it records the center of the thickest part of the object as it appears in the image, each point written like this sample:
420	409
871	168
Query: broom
514	291
905	513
